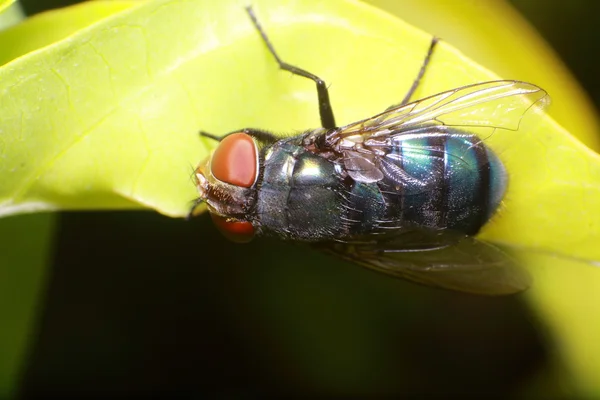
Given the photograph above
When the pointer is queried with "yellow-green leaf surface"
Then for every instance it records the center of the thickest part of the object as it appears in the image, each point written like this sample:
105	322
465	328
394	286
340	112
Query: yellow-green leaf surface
107	118
5	4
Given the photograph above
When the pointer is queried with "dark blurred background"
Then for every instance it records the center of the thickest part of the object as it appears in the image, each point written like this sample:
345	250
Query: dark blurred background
139	303
570	27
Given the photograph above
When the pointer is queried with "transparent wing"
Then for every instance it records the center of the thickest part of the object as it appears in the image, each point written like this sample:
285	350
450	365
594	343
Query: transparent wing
443	259
495	104
480	109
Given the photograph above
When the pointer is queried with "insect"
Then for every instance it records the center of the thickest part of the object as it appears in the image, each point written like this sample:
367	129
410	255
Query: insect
402	192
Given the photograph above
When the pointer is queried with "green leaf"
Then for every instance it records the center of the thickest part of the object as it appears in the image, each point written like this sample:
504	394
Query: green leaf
123	132
26	242
108	117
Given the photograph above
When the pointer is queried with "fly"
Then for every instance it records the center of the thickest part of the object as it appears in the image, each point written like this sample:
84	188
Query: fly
403	192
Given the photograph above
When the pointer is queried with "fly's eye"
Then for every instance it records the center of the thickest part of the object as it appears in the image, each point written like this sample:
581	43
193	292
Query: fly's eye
234	161
236	231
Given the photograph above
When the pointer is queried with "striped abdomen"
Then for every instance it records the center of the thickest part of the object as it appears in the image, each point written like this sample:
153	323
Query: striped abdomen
451	181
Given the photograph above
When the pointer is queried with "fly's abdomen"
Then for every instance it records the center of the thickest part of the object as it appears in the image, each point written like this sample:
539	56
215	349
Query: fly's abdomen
452	181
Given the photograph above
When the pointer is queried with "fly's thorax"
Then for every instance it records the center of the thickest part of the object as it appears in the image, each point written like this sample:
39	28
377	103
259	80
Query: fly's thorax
318	141
313	137
299	194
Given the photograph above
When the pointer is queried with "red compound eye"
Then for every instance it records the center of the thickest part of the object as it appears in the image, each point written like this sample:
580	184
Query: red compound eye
236	231
234	160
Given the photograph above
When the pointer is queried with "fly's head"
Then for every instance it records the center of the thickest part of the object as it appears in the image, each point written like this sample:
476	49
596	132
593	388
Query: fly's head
226	183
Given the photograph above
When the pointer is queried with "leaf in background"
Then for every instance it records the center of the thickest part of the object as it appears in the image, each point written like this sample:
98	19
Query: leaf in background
11	13
4	4
26	244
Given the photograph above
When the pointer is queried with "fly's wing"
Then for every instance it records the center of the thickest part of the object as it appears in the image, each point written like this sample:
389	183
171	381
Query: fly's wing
443	259
482	109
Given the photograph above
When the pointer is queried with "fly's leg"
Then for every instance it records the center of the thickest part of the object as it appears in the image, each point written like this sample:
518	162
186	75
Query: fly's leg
417	80
260	135
325	110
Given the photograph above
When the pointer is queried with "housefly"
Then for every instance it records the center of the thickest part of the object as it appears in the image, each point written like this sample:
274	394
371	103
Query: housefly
403	192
